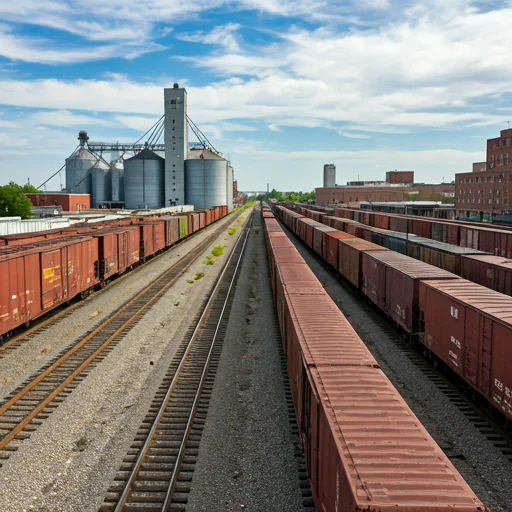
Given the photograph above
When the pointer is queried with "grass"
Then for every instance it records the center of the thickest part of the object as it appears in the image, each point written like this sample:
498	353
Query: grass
232	231
81	443
210	260
198	276
218	250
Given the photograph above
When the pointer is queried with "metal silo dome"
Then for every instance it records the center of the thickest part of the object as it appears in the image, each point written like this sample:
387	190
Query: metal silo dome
78	171
144	176
206	177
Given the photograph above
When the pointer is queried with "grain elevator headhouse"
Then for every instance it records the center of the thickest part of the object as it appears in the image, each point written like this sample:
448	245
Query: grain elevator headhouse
176	144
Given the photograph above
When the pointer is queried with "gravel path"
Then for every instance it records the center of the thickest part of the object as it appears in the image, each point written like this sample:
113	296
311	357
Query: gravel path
69	462
246	456
31	355
483	465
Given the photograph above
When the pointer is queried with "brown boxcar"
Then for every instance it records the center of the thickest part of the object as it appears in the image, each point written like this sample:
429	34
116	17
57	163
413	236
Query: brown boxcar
330	248
350	258
469	327
41	276
494	272
366	450
318	237
172	230
391	281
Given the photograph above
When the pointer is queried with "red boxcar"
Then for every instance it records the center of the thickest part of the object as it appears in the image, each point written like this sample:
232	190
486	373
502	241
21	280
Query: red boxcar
493	272
469	327
345	405
391	281
350	258
41	276
330	248
172	230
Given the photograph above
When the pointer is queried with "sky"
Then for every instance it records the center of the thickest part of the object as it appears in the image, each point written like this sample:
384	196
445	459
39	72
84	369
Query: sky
281	87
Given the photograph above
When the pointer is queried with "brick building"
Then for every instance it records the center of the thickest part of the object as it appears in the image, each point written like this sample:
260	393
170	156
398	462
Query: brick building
487	188
69	202
385	193
405	177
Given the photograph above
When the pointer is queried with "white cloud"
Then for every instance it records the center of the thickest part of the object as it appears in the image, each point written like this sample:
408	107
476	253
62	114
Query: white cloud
43	51
223	35
65	118
354	135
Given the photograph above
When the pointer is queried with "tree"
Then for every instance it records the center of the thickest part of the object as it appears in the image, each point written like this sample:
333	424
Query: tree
14	202
27	188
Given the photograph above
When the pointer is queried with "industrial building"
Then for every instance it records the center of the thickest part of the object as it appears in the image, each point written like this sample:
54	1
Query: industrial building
399	186
486	192
155	175
67	202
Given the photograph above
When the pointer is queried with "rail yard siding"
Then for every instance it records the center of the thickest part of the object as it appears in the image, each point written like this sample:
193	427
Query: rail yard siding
364	448
396	283
46	269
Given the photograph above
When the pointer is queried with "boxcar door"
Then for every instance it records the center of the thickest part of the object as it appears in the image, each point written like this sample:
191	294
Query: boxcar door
51	278
122	258
486	358
471	346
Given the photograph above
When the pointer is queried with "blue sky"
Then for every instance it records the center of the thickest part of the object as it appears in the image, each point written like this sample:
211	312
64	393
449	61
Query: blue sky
279	86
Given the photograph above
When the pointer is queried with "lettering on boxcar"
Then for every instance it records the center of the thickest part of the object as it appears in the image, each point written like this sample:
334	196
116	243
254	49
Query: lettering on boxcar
48	273
455	341
498	384
454	312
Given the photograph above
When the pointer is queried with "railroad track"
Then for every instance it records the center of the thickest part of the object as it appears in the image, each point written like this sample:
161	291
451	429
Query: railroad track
157	471
36	398
63	311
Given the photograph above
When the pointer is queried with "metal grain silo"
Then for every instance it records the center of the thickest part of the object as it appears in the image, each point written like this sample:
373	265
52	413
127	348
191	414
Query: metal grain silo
78	171
144	181
229	187
101	187
117	184
206	176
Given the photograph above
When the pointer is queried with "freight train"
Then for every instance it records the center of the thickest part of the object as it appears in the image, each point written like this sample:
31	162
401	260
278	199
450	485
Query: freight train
41	271
461	324
364	448
442	244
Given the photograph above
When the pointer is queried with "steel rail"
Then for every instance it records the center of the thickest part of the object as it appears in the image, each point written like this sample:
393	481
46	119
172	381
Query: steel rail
181	267
123	499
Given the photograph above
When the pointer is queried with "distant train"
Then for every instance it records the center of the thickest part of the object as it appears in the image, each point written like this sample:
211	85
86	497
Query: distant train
463	325
365	449
43	270
480	254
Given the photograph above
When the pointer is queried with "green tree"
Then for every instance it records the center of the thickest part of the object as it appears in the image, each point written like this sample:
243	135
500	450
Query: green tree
27	188
14	202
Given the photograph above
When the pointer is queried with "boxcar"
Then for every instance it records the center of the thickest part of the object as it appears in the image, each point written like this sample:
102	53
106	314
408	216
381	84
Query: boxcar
494	272
39	277
469	328
391	282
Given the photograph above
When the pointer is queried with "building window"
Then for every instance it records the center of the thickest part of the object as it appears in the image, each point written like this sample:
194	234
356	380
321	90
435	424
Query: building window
479	201
477	180
505	159
173	121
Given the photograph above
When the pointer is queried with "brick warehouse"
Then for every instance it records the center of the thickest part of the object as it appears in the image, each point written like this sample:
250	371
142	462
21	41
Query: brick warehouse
487	189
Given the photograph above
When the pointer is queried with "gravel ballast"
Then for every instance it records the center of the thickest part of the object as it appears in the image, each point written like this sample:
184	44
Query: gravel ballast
486	469
246	456
69	462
